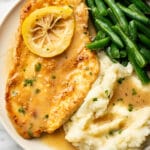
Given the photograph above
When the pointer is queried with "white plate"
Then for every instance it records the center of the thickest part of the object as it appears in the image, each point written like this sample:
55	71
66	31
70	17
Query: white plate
7	34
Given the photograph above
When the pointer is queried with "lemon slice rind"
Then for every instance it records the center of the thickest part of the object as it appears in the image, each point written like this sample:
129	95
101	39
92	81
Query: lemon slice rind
48	31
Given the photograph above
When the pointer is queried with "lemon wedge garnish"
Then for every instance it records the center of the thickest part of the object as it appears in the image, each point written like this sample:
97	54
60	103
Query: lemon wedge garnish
48	31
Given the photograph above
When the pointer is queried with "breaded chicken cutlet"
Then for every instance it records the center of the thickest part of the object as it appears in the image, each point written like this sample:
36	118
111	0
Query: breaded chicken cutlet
43	93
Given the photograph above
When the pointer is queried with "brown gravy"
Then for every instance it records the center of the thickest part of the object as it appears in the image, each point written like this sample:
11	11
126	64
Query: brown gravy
105	119
128	93
57	141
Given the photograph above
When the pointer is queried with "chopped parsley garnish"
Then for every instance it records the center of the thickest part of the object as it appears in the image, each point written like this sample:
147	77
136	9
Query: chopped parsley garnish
130	107
90	73
134	92
28	82
46	116
70	6
38	67
53	77
37	91
30	133
21	110
107	93
113	104
120	131
111	132
120	99
14	93
95	99
120	80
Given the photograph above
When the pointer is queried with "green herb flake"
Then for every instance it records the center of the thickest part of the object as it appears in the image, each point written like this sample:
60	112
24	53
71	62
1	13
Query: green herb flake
30	133
111	132
21	110
53	77
107	93
90	73
95	99
114	104
28	82
106	136
120	99
120	80
130	107
47	49
46	116
14	93
37	91
120	131
85	33
38	67
70	6
134	92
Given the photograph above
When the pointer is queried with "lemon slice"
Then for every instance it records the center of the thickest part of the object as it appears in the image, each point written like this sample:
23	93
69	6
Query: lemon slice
48	31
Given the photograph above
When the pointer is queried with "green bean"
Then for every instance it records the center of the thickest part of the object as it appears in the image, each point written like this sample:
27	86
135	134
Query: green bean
93	10
100	35
144	39
124	62
143	28
105	27
90	3
114	51
104	19
112	16
101	7
125	2
141	5
134	8
141	73
96	14
132	30
109	54
131	46
146	53
133	14
118	14
123	53
98	44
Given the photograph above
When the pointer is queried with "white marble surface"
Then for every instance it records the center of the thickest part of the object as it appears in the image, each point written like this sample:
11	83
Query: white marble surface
6	142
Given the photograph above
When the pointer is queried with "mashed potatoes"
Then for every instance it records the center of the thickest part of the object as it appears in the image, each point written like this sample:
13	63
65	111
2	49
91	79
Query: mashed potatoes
115	114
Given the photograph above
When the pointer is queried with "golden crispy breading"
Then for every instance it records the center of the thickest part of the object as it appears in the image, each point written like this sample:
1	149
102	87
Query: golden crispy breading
42	93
